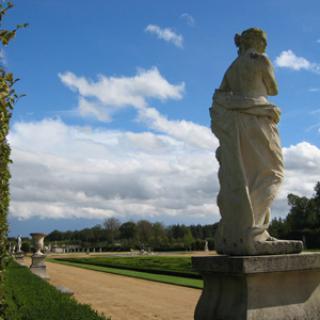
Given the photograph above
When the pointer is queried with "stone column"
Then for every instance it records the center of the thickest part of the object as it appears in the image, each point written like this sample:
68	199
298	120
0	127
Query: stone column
38	266
280	287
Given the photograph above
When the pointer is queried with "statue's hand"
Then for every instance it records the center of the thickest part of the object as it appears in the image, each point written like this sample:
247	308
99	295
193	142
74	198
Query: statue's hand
276	114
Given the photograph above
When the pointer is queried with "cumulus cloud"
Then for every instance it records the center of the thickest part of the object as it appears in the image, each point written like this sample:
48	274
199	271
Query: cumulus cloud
288	59
186	131
167	171
97	173
104	96
188	18
111	93
302	169
166	34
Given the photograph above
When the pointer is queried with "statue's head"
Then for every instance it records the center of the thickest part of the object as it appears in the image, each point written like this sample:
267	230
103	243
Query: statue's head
251	38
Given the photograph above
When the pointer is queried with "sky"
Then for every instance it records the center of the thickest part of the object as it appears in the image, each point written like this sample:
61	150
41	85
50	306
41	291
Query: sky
115	120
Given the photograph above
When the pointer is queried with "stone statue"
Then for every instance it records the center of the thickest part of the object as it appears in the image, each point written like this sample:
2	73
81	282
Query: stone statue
250	156
19	242
206	247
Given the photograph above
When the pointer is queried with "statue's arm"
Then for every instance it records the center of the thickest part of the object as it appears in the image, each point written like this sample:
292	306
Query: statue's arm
268	77
224	86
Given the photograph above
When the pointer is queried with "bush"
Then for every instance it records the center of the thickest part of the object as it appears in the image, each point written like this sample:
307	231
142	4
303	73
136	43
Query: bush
26	247
28	297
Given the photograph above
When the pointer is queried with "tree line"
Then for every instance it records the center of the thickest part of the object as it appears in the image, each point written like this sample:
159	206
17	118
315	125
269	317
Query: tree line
114	235
301	223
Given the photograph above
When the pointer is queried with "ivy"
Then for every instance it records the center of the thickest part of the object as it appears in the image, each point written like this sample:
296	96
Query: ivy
8	98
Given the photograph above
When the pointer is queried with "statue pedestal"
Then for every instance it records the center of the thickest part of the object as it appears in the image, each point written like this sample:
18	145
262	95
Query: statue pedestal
280	287
38	266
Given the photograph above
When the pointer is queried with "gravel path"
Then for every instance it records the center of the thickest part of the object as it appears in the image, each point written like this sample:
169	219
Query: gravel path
125	298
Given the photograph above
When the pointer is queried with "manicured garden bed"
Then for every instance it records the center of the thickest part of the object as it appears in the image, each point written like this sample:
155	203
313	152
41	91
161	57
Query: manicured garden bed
174	266
28	297
169	279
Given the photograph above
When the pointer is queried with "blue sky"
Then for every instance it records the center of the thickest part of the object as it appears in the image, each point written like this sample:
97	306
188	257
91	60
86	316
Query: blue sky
115	121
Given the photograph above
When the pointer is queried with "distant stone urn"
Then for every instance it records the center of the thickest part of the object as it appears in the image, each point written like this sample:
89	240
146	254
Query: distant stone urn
38	242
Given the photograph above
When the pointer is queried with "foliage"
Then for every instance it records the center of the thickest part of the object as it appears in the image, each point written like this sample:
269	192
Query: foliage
8	97
302	222
112	226
26	246
177	266
30	298
176	280
114	236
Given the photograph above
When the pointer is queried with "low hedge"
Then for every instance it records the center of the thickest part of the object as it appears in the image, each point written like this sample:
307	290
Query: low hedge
28	297
172	266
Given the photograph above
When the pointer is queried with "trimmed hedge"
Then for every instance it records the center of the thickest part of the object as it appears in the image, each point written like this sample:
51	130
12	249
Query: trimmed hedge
173	266
28	297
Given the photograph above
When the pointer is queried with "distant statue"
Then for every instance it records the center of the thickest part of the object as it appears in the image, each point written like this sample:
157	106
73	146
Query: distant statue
250	156
19	242
206	247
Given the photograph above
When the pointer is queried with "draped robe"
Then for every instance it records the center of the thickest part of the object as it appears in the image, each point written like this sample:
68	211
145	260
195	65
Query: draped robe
251	169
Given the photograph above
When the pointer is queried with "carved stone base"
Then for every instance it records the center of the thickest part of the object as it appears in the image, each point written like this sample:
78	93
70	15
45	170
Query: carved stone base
38	266
282	287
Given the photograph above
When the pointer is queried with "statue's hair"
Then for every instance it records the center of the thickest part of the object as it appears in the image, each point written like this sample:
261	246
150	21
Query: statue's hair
244	39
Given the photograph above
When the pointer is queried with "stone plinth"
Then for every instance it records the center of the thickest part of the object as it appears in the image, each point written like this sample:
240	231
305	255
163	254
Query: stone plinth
282	287
38	266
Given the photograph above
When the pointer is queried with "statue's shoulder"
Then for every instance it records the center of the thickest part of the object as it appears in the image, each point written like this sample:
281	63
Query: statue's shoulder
261	58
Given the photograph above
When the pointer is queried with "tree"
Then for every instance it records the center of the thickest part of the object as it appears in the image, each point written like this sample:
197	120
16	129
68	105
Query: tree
144	230
128	230
302	214
112	226
8	98
158	235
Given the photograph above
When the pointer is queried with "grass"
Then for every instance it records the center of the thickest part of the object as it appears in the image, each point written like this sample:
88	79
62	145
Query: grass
174	266
27	297
163	278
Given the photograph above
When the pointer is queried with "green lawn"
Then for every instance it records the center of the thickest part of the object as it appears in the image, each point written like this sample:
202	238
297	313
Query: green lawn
164	278
174	266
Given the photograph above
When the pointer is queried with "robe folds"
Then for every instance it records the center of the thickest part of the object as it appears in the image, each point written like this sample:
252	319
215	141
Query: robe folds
251	169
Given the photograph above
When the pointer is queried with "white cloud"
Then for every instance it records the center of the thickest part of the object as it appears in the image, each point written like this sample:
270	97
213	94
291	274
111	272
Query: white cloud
186	131
91	109
166	34
104	96
302	163
188	18
133	92
97	173
288	59
3	57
